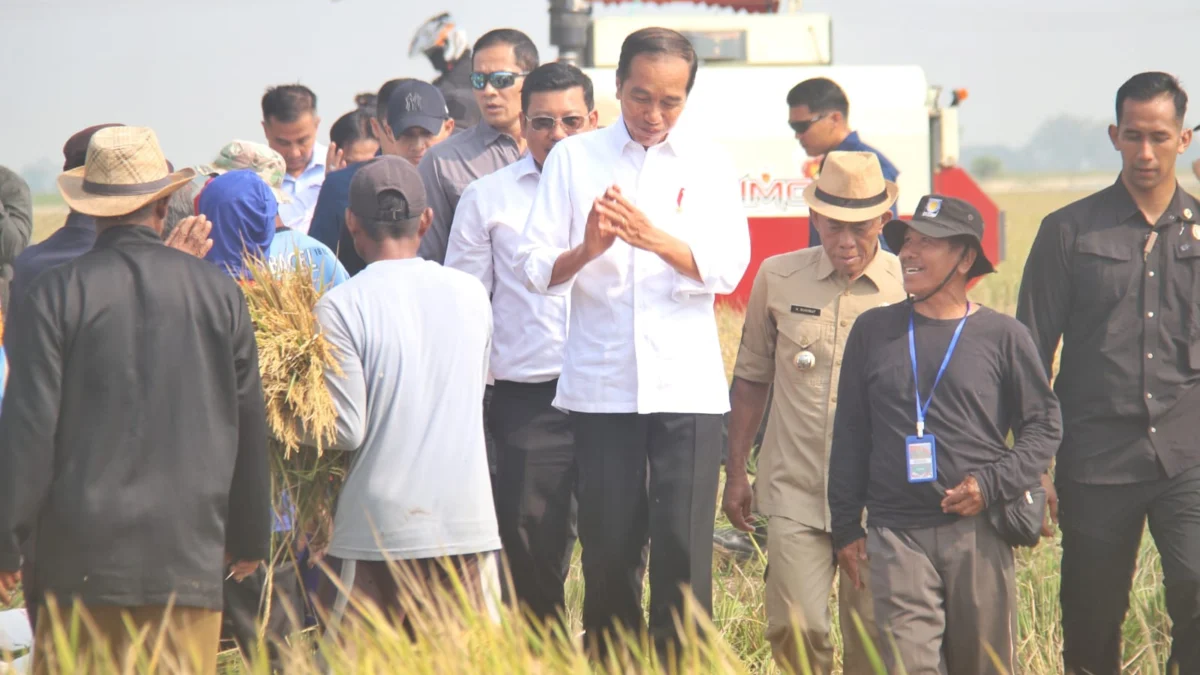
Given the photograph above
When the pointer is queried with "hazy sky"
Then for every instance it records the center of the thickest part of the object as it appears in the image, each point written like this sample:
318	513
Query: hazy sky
195	70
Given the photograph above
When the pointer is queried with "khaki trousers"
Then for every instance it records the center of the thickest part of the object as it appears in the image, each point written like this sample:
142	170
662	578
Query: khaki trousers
801	568
945	594
186	640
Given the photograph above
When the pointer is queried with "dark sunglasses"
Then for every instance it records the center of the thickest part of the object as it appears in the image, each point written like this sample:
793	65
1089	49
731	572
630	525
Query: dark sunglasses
501	79
546	123
801	127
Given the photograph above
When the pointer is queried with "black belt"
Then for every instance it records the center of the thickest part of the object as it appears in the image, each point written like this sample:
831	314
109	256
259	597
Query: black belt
527	386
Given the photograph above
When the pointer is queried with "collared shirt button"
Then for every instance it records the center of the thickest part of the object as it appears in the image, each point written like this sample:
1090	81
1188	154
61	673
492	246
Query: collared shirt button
837	362
1150	315
1151	272
833	399
1153	430
1150	356
845	323
1149	395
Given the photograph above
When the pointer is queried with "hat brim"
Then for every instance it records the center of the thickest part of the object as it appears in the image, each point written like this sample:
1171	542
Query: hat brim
849	214
403	123
280	196
893	234
70	185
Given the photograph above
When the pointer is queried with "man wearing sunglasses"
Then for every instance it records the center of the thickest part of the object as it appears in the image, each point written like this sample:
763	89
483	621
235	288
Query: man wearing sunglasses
534	486
819	115
501	60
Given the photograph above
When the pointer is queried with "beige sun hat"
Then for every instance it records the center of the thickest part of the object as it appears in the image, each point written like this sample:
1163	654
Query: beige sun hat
851	188
125	170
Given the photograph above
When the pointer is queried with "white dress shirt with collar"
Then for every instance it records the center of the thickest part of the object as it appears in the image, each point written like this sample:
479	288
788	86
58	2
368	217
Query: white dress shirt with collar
642	337
304	190
530	328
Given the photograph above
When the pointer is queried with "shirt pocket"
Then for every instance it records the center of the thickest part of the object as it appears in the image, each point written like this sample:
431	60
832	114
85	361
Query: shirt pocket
1105	267
803	341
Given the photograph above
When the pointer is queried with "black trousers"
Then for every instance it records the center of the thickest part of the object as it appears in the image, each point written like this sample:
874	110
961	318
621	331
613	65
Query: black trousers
1102	530
645	478
534	491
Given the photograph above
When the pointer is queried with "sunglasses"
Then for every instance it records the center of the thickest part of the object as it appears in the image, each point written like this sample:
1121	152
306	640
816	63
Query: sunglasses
546	123
501	79
801	127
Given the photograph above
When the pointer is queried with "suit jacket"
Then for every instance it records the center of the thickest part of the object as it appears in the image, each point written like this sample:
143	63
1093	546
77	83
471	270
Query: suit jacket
133	434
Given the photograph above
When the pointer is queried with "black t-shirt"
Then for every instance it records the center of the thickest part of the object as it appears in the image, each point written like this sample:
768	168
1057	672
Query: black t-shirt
994	383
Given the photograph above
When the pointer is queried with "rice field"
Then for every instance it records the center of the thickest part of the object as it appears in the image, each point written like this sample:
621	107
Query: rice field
464	642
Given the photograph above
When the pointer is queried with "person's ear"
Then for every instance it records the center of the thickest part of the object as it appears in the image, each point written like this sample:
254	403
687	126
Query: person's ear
447	129
160	208
593	119
352	225
968	259
426	221
1113	132
376	128
1185	140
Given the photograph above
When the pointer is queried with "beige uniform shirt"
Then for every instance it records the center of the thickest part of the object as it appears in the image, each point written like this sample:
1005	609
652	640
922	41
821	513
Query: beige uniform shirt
800	307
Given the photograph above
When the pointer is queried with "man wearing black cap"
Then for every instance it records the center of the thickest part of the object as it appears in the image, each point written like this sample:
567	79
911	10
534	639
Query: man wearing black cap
923	448
413	339
414	120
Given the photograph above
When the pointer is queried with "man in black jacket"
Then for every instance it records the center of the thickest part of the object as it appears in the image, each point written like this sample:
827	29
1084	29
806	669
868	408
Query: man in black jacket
134	435
16	226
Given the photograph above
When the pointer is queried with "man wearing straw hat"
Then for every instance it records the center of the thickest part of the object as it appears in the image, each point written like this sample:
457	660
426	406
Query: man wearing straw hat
799	315
134	429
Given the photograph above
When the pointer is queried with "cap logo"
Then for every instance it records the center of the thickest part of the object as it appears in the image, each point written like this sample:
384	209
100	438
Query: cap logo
932	208
412	102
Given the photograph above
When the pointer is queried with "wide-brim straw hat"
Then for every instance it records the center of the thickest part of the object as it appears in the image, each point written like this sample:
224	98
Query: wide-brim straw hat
125	170
851	188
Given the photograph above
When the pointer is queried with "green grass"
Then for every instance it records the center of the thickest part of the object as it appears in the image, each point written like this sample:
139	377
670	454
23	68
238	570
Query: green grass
466	643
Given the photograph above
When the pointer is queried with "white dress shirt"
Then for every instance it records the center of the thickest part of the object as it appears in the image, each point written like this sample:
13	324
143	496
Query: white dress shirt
304	190
530	328
642	337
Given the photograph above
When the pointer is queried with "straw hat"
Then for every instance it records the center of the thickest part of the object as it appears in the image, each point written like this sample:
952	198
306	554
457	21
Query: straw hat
125	170
851	188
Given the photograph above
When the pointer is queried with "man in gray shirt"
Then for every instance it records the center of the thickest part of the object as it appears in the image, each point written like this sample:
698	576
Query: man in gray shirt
413	339
500	60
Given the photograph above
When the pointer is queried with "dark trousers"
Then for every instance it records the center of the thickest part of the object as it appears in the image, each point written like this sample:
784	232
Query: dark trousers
534	490
1102	530
645	478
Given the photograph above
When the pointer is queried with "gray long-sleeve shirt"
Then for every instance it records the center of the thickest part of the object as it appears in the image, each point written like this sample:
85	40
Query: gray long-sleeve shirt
449	167
994	383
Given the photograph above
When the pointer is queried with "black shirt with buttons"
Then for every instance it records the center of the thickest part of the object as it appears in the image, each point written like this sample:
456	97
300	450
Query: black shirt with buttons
1124	297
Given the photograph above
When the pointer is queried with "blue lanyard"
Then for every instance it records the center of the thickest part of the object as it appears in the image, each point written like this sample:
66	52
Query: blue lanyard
912	353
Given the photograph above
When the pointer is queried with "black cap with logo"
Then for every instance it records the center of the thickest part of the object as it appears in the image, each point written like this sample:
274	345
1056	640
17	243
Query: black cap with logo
941	218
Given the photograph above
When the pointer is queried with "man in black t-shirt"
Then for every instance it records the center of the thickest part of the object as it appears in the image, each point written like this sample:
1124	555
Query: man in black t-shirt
925	458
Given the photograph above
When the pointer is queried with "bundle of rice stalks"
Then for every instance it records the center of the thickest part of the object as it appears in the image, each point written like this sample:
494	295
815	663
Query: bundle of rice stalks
293	356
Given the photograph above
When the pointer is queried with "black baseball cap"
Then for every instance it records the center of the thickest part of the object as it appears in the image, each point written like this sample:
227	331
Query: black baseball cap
416	103
943	217
383	173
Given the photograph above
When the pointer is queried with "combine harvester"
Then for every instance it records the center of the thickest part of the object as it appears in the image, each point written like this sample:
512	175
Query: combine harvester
751	59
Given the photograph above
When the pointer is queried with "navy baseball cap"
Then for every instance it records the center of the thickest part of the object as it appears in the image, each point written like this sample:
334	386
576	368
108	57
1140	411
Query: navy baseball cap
416	103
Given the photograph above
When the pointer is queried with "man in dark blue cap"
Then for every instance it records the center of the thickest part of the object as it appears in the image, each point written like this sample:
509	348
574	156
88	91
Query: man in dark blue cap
416	120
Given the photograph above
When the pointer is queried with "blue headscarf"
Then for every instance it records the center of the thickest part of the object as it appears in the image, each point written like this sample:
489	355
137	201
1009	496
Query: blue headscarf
242	210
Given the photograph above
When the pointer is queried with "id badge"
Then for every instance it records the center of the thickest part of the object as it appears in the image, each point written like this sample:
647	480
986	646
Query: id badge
921	455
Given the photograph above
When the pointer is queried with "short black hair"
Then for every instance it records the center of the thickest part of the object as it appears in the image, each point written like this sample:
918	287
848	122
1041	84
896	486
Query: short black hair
1149	86
350	128
657	42
378	230
385	93
524	50
557	76
821	95
288	103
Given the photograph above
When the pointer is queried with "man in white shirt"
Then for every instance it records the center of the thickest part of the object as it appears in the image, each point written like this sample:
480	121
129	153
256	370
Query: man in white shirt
290	124
642	224
534	485
413	340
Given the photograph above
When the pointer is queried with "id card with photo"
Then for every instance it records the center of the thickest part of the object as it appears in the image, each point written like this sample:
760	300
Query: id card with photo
921	455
